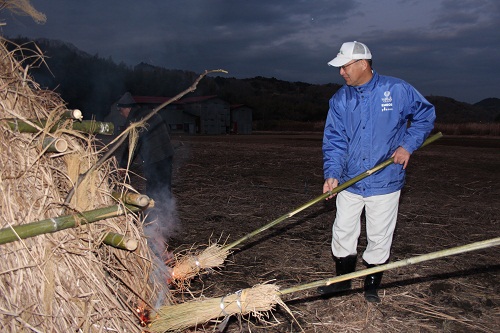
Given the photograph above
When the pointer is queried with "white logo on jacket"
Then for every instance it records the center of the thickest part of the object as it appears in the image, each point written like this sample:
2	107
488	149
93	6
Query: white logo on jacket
386	101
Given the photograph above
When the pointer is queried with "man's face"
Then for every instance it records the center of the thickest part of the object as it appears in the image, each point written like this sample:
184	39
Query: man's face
355	73
124	111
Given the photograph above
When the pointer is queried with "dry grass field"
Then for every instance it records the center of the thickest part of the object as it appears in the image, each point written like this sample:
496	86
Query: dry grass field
228	186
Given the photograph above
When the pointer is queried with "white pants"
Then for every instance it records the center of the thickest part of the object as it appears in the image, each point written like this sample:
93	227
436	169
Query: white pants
381	213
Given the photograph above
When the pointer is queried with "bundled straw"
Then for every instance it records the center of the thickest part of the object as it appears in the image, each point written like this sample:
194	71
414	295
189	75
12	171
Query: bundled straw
66	281
260	298
187	267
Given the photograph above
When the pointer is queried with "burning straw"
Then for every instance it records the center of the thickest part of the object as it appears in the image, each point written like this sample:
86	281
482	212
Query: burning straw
260	298
188	267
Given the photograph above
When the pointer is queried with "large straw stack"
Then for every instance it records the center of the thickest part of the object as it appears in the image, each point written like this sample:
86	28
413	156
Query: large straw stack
67	281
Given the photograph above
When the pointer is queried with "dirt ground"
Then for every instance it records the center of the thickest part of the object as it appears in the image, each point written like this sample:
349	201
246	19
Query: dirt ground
229	186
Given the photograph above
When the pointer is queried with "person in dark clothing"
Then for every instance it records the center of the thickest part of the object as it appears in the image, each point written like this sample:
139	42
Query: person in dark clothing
154	153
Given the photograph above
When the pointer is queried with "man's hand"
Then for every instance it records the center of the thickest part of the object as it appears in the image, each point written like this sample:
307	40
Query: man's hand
401	156
329	185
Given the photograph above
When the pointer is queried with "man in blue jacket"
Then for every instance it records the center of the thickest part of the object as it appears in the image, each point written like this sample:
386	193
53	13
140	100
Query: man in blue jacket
371	118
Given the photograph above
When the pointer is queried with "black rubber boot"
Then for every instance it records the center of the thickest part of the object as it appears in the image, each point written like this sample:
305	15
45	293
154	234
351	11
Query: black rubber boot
344	265
372	283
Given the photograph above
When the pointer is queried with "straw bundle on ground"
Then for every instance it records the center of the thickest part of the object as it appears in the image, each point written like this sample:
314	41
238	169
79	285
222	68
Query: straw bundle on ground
256	301
67	281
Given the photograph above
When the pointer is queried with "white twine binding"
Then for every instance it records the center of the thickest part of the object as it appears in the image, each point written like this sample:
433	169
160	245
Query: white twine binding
238	302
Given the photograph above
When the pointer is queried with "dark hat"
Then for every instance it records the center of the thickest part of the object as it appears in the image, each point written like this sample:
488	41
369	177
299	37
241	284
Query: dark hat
126	101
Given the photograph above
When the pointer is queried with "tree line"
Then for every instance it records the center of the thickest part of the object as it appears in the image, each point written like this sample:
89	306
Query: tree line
92	84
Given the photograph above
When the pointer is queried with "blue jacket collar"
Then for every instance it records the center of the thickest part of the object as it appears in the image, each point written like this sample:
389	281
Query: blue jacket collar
370	85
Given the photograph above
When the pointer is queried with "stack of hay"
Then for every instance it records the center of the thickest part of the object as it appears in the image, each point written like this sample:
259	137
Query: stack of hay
67	281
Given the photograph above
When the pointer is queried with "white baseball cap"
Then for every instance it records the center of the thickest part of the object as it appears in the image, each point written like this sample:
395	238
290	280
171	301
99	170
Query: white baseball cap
350	51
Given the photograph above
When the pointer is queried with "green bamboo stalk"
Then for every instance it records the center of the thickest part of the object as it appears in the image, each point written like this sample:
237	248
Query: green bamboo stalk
120	241
54	145
397	264
34	126
53	224
94	127
325	195
140	200
73	114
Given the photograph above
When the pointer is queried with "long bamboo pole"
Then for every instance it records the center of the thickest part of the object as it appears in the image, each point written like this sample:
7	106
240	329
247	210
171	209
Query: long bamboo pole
53	224
397	264
34	126
182	316
189	266
322	197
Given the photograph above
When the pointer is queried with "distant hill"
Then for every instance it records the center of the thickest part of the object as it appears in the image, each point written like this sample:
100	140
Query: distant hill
92	84
492	105
449	110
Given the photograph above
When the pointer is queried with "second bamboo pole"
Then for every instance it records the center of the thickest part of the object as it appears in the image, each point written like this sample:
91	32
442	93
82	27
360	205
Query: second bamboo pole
53	224
322	197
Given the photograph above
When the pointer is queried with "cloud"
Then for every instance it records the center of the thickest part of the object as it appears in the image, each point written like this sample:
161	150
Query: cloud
442	47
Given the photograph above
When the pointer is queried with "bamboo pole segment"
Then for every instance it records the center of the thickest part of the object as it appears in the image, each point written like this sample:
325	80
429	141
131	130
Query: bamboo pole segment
120	241
185	269
94	127
136	199
34	126
182	316
322	197
54	145
73	114
53	224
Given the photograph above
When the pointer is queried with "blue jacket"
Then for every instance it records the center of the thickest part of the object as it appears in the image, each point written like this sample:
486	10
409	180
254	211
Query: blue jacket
366	124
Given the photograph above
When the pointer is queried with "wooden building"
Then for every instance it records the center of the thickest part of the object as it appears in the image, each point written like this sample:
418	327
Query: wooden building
241	119
194	115
200	115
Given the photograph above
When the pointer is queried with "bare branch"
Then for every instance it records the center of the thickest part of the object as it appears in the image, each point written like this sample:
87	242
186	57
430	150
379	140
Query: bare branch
119	141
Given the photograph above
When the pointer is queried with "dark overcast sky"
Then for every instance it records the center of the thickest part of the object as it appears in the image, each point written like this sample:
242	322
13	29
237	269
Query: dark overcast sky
442	47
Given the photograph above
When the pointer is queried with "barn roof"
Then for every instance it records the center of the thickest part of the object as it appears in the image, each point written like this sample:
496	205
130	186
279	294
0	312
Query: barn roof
236	106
